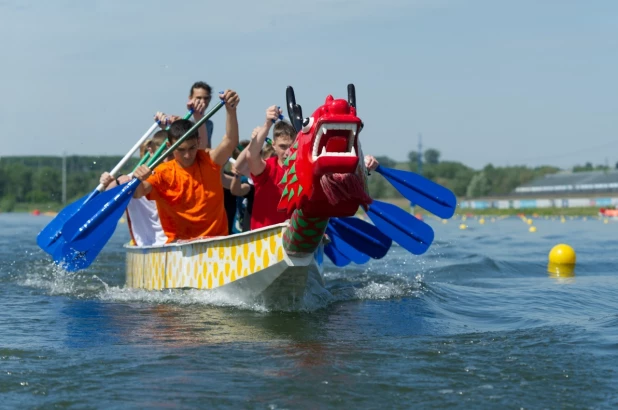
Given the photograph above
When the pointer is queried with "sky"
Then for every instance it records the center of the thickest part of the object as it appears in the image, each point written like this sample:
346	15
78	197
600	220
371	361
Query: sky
525	82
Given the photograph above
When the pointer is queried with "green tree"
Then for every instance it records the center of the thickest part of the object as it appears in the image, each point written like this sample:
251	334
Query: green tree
478	186
431	156
47	182
413	161
386	161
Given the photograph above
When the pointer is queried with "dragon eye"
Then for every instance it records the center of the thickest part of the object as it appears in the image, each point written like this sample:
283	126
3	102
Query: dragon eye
307	124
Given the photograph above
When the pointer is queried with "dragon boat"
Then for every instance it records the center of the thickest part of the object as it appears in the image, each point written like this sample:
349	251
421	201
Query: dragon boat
325	177
324	185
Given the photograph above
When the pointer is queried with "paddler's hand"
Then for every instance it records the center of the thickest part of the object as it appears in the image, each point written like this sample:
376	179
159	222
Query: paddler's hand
142	173
255	132
198	106
231	99
272	114
371	163
106	179
163	120
235	171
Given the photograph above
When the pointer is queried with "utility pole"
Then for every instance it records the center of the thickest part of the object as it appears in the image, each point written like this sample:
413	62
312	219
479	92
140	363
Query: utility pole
64	177
420	153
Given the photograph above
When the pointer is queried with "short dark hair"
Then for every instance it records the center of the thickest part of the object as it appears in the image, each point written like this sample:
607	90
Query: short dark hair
284	128
180	128
158	138
202	85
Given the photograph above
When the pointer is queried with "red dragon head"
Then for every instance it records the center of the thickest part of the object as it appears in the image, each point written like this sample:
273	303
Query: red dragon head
325	176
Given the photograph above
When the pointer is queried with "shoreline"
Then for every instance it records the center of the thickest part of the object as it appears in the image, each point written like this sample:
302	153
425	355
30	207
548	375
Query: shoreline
52	209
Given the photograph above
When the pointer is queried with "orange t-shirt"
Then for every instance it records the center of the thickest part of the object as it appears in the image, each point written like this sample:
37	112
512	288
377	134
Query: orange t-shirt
190	200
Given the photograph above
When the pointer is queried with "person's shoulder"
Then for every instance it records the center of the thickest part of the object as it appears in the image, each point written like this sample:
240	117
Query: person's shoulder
271	163
204	159
204	156
162	169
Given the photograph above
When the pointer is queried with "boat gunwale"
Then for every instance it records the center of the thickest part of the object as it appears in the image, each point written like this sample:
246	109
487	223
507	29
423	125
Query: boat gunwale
213	239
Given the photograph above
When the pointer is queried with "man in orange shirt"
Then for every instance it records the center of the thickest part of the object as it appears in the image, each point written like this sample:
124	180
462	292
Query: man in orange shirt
188	190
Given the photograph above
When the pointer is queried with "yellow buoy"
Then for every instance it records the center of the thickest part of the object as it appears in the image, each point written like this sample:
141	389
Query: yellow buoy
444	221
463	226
529	221
605	221
532	229
561	260
482	221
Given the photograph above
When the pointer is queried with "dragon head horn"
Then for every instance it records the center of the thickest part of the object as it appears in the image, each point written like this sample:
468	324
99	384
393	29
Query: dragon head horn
294	111
352	95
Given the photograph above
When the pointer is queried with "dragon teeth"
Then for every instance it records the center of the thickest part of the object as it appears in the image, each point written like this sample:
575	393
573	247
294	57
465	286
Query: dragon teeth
353	152
323	151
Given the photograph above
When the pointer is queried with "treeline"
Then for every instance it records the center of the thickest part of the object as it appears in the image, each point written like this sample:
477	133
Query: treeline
459	178
38	180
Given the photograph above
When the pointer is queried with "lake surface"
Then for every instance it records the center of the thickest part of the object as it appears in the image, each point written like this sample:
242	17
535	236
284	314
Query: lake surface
476	322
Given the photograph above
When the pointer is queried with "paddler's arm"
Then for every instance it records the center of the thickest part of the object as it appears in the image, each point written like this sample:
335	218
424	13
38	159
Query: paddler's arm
142	173
224	150
242	163
226	181
254	149
237	187
109	182
198	106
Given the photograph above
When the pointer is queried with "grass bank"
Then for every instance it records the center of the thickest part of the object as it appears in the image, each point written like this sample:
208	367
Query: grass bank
402	203
583	211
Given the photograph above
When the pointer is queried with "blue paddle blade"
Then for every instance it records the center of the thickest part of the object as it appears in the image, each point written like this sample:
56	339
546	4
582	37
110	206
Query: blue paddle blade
433	197
48	237
361	236
87	232
72	260
410	233
335	256
345	248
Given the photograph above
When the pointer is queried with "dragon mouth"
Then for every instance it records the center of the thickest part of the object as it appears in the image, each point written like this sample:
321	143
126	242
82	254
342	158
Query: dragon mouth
335	140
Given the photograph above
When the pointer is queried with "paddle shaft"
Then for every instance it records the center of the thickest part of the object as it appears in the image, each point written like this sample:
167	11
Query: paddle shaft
130	187
126	158
206	117
101	187
161	148
143	160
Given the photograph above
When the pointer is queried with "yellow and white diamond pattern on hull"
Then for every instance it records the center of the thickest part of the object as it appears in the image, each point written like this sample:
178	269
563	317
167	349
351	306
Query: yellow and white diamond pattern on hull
204	264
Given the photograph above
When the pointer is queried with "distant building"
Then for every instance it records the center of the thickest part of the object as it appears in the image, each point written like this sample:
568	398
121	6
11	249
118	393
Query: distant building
562	190
571	183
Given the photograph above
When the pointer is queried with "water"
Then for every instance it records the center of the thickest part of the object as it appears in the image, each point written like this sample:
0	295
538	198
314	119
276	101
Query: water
477	322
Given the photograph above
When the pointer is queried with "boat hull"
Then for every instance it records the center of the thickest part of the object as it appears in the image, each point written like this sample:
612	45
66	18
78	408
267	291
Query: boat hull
251	266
